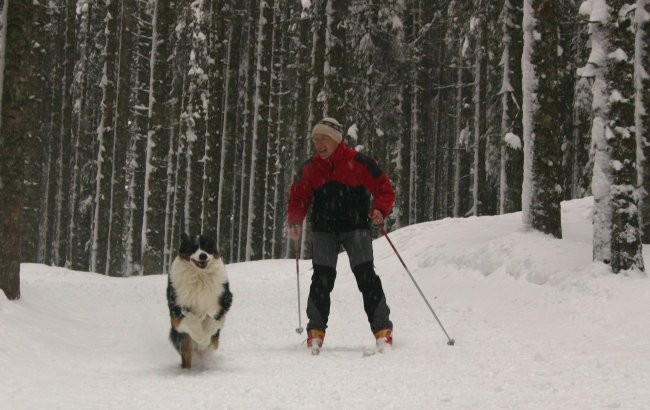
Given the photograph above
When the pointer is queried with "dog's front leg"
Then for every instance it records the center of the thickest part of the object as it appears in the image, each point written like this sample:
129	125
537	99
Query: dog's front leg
215	341
210	329
204	340
186	352
191	325
211	326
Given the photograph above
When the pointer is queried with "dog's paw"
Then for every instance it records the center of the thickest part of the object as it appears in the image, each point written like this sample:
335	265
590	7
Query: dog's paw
191	325
204	342
211	326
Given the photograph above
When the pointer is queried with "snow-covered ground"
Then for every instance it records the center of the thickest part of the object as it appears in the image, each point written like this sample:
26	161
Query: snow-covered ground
537	325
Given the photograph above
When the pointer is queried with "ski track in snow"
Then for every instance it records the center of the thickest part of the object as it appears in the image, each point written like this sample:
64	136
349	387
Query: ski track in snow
537	325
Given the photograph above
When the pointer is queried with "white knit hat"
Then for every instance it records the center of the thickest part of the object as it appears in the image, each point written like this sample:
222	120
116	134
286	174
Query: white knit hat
330	127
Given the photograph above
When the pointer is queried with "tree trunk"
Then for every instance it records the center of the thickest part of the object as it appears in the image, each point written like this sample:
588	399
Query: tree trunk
246	76
77	232
136	152
335	102
480	138
60	251
16	138
642	121
115	251
99	241
254	234
50	133
619	75
542	133
224	199
272	149
155	184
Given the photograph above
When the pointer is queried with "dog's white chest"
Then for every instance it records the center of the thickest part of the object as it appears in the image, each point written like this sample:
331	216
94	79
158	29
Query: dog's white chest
196	289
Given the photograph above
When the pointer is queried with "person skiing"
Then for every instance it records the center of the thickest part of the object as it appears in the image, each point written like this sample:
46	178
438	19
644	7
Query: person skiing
340	182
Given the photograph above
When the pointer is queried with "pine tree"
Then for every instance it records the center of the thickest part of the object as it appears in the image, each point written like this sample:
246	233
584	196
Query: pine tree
115	252
458	39
571	55
16	138
254	234
225	198
297	112
621	138
511	166
489	194
101	216
335	91
616	218
215	46
414	133
479	101
155	182
241	165
136	153
40	69
52	126
78	232
578	151
642	102
272	172
59	251
542	190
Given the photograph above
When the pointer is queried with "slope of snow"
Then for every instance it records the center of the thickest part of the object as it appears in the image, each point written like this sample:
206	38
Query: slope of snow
536	323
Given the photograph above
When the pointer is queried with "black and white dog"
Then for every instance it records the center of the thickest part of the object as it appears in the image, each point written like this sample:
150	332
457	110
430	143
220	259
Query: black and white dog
198	296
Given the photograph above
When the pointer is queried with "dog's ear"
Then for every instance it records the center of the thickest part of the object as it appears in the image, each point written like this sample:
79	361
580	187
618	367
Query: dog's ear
185	237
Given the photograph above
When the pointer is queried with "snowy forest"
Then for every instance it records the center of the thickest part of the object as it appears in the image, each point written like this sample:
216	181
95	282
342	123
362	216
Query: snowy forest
125	123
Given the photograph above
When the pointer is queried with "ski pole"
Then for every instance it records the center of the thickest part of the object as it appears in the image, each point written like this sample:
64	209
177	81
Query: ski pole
299	328
383	231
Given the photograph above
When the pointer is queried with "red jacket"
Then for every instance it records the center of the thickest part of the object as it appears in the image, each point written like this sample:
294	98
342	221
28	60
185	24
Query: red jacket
340	188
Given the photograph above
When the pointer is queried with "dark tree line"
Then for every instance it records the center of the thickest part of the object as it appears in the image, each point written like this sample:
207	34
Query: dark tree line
157	117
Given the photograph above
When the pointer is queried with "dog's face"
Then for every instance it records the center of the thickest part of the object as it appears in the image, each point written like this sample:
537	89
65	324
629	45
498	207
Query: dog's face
198	249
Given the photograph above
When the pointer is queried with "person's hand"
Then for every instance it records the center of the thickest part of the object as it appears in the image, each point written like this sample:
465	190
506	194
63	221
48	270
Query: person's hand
376	217
295	231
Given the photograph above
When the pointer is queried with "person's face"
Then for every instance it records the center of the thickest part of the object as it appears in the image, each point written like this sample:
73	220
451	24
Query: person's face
325	145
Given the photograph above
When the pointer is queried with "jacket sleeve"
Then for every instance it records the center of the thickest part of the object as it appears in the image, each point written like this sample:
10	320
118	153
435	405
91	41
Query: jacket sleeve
300	196
383	194
379	185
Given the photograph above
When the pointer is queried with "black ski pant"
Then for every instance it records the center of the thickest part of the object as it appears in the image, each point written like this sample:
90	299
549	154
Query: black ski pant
358	244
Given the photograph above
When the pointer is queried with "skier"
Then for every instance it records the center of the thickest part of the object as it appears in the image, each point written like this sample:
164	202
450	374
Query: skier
340	181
